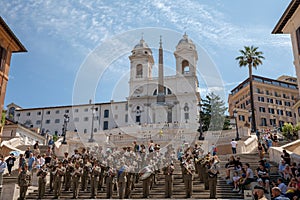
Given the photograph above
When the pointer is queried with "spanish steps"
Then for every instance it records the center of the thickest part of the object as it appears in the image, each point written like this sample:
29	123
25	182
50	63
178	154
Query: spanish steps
224	190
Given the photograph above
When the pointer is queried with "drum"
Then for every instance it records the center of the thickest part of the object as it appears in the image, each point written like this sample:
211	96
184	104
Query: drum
145	173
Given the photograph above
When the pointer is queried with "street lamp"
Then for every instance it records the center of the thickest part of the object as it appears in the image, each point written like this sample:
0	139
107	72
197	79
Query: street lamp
64	129
200	124
236	125
92	131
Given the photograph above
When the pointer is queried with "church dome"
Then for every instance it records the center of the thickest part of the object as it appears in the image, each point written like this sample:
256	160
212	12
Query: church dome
185	42
141	44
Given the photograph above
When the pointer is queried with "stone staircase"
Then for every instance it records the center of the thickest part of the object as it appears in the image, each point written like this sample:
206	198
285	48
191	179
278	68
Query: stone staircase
224	191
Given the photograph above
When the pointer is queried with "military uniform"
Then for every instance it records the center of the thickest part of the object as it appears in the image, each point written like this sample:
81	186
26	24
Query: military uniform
76	175
168	172
96	170
109	182
122	179
42	173
188	171
24	181
85	176
212	172
68	176
58	173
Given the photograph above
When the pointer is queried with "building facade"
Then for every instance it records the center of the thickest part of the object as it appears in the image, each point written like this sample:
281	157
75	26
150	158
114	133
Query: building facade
151	100
9	44
289	23
273	102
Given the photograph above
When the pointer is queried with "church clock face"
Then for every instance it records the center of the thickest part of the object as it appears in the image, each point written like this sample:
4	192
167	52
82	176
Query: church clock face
139	90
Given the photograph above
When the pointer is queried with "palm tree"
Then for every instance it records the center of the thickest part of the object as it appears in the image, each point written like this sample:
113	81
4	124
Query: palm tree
252	58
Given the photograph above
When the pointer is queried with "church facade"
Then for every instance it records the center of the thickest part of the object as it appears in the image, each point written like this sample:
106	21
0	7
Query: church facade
151	100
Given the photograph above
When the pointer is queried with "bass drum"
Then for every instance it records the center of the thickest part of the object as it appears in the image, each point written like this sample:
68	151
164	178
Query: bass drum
145	173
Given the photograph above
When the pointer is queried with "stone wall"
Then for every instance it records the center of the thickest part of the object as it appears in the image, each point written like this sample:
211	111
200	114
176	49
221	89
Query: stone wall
276	152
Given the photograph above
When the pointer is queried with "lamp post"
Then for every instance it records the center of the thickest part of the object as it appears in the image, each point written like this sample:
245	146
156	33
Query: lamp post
236	126
92	131
64	129
200	124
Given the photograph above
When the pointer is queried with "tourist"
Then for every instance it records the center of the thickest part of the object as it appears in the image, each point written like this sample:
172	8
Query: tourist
259	193
27	152
261	151
236	180
36	148
3	166
287	173
262	173
22	162
286	157
281	185
277	194
233	146
281	168
249	177
10	161
31	162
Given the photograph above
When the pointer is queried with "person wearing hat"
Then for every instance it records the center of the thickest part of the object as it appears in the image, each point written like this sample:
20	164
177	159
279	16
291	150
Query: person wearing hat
24	181
277	195
76	175
259	193
213	171
42	173
95	172
58	173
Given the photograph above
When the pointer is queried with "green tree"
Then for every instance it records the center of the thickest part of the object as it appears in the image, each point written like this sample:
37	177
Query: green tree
290	131
212	113
250	57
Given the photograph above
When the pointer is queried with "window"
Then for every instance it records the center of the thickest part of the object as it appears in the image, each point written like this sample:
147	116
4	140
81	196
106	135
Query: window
18	115
267	92
139	71
85	130
76	110
241	118
281	123
126	106
106	113
95	130
288	113
96	109
126	118
28	114
273	122
269	100
286	103
67	111
2	58
85	119
186	116
48	121
271	110
185	67
56	121
278	102
38	122
263	121
261	99
76	119
48	112
86	109
105	125
262	109
57	112
279	112
39	113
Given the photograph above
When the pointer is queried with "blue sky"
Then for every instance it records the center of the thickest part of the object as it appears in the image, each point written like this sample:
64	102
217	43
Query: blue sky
61	37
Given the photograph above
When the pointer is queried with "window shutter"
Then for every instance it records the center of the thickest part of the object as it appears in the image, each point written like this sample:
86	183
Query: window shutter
2	58
298	39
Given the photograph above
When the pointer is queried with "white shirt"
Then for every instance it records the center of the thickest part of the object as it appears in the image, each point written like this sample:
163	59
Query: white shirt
233	144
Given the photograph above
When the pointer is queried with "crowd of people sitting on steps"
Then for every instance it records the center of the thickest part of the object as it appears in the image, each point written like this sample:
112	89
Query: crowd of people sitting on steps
285	187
